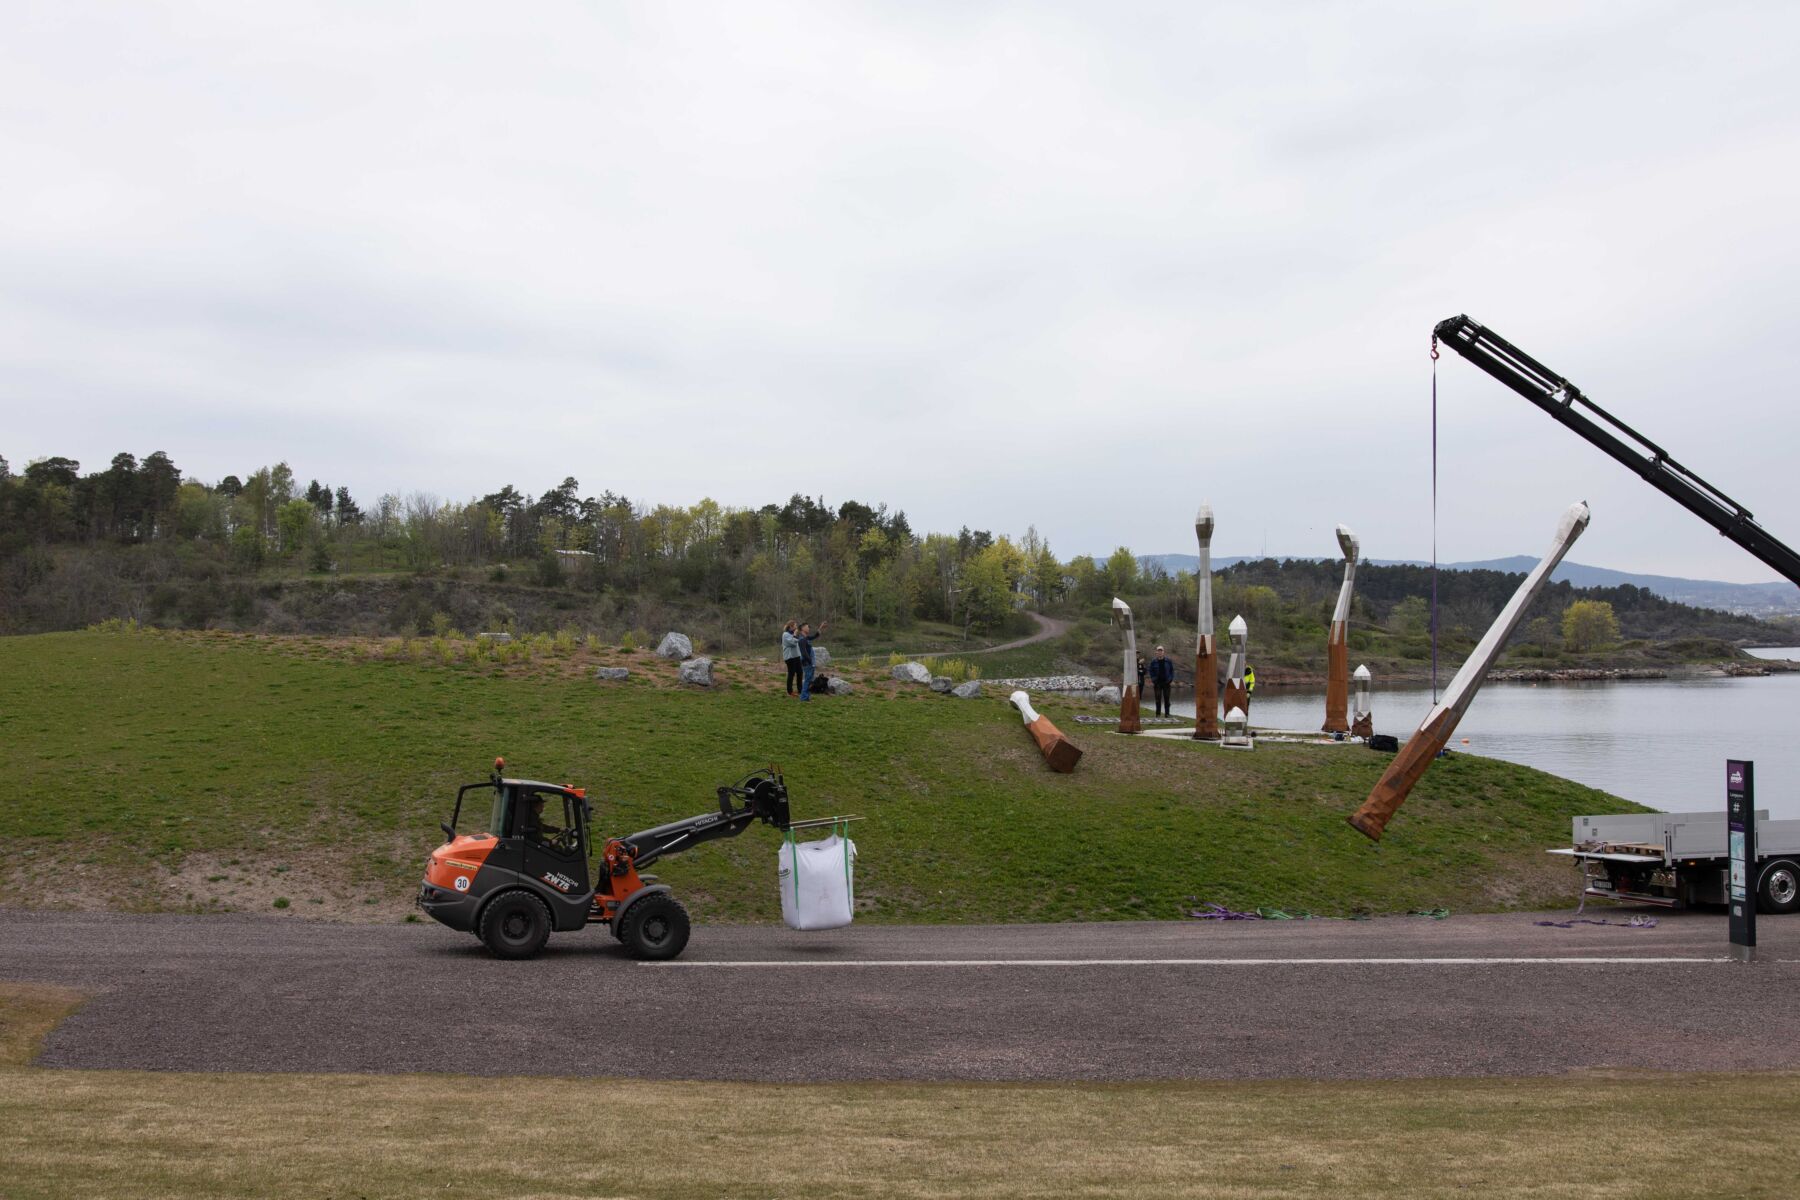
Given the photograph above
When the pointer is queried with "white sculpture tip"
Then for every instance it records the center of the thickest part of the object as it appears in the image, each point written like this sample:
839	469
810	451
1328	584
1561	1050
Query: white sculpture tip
1022	702
1347	542
1018	698
1119	606
1203	521
1361	672
1573	521
1235	716
1238	627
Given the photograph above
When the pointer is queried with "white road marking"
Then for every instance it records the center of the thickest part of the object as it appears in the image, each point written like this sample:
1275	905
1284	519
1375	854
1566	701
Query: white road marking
1170	962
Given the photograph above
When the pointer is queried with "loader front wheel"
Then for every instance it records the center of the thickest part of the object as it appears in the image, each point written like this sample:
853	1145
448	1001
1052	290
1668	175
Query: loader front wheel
515	925
655	928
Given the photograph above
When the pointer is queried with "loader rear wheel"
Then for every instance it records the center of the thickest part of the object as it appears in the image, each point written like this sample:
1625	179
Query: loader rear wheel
1779	888
655	928
515	925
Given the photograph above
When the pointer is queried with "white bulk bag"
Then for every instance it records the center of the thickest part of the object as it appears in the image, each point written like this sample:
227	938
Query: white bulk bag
817	882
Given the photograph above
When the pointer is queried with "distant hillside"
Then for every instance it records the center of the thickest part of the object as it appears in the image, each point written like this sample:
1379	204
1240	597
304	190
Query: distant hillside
1752	599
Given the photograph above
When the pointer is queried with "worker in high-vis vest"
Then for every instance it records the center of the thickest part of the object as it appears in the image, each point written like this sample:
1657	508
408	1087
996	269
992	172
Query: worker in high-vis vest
1249	684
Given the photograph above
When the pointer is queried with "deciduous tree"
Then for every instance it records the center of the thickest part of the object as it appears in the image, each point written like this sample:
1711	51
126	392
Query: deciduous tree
1589	625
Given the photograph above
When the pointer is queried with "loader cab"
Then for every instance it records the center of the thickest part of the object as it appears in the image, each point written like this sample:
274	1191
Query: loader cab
549	824
539	830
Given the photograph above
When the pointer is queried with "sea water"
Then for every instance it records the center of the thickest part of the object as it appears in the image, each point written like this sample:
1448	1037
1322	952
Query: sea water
1659	742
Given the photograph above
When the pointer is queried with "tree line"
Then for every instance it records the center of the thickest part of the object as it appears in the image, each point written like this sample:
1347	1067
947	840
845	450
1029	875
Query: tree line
66	536
852	561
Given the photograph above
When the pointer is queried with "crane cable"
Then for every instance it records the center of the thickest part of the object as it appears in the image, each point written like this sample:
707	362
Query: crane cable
1434	505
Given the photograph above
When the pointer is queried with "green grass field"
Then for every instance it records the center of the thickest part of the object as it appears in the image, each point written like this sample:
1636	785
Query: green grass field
204	772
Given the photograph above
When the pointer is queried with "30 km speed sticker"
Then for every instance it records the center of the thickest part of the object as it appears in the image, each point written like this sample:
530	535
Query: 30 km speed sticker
462	883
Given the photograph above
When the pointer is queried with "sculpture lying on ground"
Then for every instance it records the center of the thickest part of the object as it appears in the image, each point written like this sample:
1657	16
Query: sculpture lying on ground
1236	694
1337	644
1434	731
1128	687
1206	652
1058	751
1364	724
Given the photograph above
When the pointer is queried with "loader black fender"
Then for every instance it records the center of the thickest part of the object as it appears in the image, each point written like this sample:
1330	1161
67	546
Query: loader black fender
1778	887
618	920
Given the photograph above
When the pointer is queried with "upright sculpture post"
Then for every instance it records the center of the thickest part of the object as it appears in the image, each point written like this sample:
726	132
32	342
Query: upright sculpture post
1337	644
1434	731
1363	725
1128	686
1236	695
1206	653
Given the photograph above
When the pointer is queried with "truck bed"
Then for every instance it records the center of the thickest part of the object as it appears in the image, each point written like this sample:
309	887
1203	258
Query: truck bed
1675	836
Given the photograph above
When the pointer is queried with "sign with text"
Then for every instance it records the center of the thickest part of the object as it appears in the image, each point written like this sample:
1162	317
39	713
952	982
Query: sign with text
1740	824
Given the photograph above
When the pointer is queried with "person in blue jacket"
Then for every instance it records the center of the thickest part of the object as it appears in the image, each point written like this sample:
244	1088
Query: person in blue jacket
1162	674
806	656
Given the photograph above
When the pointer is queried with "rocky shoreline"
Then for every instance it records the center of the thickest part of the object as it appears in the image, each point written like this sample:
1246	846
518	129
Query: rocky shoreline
1050	683
1574	674
1283	678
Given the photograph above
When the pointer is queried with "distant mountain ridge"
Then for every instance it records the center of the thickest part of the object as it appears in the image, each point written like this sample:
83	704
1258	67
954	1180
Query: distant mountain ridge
1750	599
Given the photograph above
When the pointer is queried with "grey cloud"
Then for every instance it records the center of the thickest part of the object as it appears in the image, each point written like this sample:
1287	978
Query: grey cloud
995	264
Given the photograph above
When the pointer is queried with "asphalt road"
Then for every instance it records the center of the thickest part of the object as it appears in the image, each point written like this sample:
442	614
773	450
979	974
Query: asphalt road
1321	999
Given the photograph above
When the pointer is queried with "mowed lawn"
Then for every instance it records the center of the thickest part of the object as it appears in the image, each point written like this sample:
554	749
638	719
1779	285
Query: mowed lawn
201	772
145	1135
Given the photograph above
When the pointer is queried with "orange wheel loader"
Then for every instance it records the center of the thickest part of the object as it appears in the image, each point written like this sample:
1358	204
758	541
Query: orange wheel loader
524	871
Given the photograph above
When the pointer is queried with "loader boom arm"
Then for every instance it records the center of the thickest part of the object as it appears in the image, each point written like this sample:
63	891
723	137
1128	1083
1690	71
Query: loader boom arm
1564	401
761	796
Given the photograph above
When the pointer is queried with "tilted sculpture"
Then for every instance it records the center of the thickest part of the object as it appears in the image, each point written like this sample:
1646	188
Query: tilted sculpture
1337	643
1128	688
1206	652
1410	764
1058	751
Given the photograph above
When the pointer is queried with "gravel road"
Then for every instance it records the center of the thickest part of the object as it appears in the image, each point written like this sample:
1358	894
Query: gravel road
1385	998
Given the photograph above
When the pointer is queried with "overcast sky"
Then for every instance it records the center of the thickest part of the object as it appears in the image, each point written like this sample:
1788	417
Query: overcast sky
1081	266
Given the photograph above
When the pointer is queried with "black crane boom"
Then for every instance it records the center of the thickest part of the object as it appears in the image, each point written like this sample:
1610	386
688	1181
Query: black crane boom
1564	401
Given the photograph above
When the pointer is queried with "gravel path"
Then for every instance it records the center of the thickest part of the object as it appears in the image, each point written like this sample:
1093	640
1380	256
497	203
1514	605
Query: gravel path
960	1002
1047	628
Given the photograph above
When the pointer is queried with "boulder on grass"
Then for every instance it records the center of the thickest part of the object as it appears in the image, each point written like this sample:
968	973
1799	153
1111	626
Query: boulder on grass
942	683
821	658
1107	695
612	673
839	686
697	671
676	645
967	691
912	672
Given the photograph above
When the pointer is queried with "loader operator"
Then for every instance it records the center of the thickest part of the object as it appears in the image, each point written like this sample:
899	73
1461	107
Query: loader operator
534	827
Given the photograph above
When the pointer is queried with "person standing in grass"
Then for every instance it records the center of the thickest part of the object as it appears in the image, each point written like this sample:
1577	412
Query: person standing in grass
1162	674
806	656
790	655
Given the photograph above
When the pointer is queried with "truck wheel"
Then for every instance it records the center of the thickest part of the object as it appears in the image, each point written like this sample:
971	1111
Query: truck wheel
655	928
1779	889
515	925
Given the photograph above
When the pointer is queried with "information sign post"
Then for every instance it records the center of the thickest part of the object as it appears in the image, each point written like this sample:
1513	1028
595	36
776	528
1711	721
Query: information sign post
1740	823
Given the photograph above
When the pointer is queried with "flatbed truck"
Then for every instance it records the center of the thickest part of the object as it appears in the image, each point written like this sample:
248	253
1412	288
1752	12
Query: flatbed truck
1679	859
